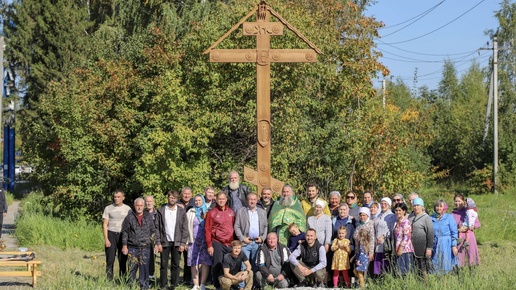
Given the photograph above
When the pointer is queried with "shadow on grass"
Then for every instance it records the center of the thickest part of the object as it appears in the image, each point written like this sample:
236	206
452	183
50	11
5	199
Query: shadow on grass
15	284
85	277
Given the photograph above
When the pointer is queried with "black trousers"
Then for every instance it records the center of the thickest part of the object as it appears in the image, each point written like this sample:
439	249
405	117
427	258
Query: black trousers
219	250
187	273
115	250
1	222
152	261
170	252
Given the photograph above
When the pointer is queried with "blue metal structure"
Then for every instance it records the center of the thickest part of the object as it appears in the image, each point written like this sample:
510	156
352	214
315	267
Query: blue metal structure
9	139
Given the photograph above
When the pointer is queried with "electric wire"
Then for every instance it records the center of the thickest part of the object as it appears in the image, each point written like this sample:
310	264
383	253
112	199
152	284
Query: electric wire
439	28
418	18
428	54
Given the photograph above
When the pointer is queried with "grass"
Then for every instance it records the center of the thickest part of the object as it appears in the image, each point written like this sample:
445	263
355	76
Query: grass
71	262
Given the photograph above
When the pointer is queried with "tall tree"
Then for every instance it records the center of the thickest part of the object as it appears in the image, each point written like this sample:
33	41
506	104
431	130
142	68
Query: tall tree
506	34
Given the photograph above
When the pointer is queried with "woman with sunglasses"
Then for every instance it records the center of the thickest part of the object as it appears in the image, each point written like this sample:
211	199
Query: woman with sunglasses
351	201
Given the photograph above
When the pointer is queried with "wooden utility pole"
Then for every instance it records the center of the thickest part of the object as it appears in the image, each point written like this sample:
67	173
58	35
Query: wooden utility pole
263	55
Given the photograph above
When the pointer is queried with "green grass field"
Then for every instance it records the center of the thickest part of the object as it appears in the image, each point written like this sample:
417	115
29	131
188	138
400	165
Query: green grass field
73	257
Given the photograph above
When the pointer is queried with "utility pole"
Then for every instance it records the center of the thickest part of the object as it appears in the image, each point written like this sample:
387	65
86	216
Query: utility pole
495	113
494	85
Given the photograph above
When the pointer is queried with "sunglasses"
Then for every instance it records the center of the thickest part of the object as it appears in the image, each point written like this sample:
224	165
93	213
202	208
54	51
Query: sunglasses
396	200
352	197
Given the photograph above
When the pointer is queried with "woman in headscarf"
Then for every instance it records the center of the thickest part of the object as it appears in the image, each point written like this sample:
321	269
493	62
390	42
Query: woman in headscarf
422	237
198	257
444	254
364	221
467	242
381	231
364	252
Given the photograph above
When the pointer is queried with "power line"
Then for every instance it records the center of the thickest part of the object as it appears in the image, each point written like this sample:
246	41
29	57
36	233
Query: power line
438	72
439	28
428	54
418	17
409	59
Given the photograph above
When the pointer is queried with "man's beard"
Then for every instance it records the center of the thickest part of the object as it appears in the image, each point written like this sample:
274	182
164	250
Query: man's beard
234	185
285	201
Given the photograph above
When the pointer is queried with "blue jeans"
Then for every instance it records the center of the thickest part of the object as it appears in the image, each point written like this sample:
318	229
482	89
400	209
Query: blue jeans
250	250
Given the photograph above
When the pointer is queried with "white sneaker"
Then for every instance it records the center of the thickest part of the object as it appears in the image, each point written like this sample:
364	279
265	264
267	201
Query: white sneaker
196	287
203	287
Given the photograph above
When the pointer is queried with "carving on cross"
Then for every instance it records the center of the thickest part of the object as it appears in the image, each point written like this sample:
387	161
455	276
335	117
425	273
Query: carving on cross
263	55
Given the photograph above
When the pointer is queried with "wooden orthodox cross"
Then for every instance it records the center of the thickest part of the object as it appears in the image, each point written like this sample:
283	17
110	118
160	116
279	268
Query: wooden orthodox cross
263	55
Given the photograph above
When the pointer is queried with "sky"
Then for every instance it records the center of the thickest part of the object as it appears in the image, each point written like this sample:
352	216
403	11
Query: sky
422	34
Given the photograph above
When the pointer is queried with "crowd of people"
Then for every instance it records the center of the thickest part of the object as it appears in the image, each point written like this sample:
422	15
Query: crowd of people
238	239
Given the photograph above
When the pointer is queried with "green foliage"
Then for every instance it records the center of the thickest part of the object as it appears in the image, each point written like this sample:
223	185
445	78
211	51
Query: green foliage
35	226
45	40
481	180
142	109
458	126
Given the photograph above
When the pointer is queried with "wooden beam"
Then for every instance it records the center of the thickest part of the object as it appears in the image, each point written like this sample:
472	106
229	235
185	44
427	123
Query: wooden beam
263	56
270	28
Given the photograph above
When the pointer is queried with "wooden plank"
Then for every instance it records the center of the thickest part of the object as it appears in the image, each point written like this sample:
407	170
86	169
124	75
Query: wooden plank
292	55
18	263
15	253
266	56
269	28
17	274
233	55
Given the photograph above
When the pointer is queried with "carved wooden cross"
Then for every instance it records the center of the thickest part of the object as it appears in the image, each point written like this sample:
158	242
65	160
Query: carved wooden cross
263	55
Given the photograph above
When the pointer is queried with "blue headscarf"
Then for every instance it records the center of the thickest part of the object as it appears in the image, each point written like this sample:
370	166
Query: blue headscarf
200	210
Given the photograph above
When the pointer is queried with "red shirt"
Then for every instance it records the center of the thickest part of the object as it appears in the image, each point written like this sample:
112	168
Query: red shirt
219	226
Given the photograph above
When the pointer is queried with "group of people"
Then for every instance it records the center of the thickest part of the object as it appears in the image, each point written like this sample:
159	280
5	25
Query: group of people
239	239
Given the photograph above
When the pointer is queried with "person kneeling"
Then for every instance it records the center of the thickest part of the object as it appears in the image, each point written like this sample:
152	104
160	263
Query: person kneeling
308	261
274	267
232	264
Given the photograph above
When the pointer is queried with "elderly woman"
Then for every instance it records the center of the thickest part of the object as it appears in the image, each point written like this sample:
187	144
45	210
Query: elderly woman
403	240
422	236
398	198
381	231
467	242
444	254
334	203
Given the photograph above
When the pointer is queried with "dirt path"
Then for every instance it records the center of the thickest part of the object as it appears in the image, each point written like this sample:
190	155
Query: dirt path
12	245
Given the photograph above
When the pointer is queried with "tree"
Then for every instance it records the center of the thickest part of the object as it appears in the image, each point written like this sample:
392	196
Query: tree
507	88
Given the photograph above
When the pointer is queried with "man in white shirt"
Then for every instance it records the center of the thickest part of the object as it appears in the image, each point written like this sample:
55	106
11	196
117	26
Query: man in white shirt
174	238
113	217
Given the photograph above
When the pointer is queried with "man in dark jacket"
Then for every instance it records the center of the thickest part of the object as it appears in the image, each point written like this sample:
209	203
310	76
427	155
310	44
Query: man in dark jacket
173	229
3	209
273	265
266	201
236	192
137	229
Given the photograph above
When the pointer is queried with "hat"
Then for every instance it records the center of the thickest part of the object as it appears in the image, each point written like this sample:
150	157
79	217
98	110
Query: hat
322	203
365	210
470	202
387	200
418	201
